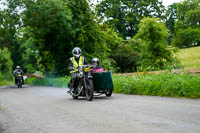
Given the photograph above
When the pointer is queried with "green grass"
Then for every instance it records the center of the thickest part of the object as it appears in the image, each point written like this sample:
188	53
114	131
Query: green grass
189	57
5	82
57	82
166	84
6	79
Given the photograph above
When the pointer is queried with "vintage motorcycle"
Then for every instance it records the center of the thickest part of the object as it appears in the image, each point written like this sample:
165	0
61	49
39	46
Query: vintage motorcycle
19	77
83	85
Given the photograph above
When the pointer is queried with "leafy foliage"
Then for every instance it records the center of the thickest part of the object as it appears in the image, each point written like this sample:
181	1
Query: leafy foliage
155	53
171	18
5	65
125	15
126	58
187	27
187	37
48	25
9	24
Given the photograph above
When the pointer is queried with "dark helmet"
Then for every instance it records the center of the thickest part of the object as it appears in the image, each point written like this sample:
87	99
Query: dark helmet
95	60
76	52
18	67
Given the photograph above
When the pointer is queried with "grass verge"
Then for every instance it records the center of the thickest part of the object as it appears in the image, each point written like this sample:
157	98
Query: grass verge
57	82
6	79
165	84
6	82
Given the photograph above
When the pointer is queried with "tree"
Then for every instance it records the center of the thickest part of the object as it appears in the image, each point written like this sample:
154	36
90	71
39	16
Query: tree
87	32
125	15
171	18
49	24
126	58
185	6
155	53
30	54
5	64
9	24
57	26
187	37
188	25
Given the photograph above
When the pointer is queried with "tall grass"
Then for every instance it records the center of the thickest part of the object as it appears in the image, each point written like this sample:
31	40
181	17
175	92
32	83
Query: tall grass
167	84
6	79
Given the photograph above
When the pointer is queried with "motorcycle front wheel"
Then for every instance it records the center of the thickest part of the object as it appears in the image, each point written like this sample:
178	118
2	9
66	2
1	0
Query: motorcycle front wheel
75	94
89	90
19	84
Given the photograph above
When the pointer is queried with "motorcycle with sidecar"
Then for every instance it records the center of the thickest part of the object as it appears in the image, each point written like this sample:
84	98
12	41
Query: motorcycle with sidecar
19	78
88	83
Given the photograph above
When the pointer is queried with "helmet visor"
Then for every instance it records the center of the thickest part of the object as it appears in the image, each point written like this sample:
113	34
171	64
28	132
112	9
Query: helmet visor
76	52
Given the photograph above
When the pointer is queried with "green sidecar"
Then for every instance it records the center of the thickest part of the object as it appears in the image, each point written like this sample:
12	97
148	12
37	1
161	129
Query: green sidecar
103	83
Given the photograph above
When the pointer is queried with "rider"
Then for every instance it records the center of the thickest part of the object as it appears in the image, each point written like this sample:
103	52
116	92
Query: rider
95	62
73	63
18	69
95	66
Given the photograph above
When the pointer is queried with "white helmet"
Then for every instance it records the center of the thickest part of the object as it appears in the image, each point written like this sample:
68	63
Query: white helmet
76	52
18	67
95	60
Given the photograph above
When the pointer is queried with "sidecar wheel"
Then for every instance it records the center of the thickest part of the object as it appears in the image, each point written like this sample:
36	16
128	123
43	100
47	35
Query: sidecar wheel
108	93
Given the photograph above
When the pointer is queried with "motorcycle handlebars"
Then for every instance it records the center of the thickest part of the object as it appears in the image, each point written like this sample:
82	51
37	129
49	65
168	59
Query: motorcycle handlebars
81	67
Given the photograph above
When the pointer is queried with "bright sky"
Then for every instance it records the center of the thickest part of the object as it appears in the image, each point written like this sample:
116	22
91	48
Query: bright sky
169	2
165	2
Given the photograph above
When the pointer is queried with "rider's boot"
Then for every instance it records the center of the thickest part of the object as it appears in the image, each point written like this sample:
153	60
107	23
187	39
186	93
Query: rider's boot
69	91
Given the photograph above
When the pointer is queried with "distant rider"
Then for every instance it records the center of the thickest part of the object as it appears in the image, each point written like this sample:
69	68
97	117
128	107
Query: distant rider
18	70
73	63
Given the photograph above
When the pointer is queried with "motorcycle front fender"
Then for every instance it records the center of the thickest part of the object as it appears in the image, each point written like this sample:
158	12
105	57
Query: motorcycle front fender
90	76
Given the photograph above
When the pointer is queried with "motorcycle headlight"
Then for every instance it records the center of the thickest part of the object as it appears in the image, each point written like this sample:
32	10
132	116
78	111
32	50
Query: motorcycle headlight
81	74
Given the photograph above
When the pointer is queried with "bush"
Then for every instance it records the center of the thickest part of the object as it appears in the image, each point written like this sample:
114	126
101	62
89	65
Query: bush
57	82
187	37
125	57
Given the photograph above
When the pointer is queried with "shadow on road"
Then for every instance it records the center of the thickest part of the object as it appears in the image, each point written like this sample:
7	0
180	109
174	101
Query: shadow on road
12	87
2	130
95	98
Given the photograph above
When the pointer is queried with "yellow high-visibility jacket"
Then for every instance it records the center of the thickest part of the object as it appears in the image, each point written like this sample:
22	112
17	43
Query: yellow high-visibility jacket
75	64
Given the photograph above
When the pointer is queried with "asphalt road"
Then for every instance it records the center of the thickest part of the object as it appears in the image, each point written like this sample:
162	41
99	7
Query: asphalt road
52	110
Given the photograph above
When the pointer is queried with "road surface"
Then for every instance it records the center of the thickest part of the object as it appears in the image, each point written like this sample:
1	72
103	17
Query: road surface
35	109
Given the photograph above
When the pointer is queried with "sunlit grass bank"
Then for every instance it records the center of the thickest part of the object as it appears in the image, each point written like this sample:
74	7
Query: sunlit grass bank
189	57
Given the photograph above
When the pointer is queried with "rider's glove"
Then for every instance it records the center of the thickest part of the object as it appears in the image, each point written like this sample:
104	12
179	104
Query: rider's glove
70	68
